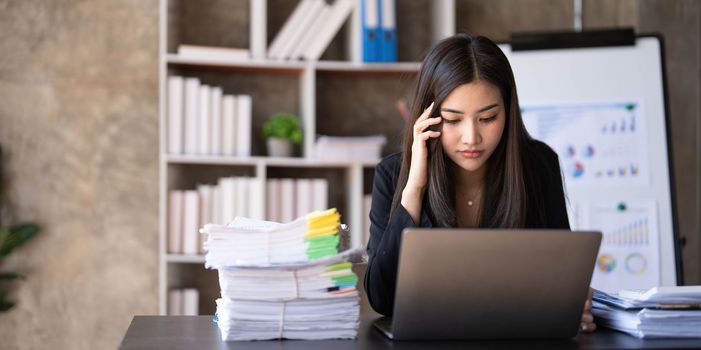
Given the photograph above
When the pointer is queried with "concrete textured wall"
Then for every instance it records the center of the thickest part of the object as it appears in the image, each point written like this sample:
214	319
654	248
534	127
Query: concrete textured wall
79	127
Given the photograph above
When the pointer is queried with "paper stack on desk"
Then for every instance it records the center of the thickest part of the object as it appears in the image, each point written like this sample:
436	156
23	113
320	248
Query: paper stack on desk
661	312
284	280
249	242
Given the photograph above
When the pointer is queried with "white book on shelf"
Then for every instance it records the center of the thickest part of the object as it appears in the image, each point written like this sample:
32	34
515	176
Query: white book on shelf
191	222
242	196
258	28
256	198
205	121
287	28
354	34
272	200
367	205
338	14
205	194
215	145
192	98
216	204
309	36
303	189
229	122
287	200
300	30
176	91
175	302
244	115
320	189
175	222
213	53
227	186
191	301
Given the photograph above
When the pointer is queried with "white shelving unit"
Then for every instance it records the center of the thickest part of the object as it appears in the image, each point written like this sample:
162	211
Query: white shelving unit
171	166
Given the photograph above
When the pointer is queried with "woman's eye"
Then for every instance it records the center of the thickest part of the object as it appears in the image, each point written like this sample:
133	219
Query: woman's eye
489	120
450	121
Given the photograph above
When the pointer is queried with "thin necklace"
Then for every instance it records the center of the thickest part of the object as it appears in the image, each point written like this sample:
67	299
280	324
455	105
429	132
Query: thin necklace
470	202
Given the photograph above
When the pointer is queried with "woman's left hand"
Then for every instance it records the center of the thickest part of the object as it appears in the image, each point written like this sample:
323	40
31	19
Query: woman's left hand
587	324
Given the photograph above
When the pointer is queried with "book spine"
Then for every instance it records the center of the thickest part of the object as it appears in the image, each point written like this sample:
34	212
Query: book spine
287	200
191	222
175	302
192	88
273	200
320	189
258	25
216	118
176	90
175	222
205	122
228	134
244	111
191	301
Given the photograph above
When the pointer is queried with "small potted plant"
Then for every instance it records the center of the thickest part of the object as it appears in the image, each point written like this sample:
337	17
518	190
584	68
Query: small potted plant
281	131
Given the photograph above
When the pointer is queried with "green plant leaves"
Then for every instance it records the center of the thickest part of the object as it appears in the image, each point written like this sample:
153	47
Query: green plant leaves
4	303
15	237
10	276
285	126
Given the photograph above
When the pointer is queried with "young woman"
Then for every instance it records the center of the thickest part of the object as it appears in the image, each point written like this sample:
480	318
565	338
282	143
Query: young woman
467	161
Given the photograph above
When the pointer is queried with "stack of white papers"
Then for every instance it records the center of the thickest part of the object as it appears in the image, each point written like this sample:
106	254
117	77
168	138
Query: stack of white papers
284	280
249	242
355	148
661	312
313	319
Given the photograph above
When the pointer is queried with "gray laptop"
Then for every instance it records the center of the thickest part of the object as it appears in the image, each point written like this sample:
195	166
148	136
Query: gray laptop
491	284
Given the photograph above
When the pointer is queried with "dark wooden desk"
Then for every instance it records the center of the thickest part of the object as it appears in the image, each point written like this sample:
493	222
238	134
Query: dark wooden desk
199	332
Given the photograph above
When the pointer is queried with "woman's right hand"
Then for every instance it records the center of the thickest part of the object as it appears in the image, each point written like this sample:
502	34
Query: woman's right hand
418	171
413	192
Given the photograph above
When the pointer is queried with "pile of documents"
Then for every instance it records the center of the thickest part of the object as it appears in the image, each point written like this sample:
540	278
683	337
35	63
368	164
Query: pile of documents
660	312
350	148
250	242
284	280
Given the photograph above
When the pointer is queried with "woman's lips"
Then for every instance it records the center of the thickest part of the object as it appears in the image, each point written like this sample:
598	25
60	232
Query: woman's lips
470	154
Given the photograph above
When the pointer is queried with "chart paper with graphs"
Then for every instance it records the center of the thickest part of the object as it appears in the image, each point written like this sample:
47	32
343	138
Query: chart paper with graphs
602	109
599	143
602	144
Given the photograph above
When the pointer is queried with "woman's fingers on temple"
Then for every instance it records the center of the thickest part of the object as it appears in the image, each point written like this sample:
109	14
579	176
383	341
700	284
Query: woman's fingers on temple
428	134
421	125
426	112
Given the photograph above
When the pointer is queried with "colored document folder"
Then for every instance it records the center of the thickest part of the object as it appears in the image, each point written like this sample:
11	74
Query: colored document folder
370	15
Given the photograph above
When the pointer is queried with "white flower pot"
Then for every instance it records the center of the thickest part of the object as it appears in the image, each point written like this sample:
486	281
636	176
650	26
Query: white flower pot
278	147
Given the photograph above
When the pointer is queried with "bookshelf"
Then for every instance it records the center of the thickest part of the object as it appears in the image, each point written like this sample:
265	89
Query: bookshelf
329	95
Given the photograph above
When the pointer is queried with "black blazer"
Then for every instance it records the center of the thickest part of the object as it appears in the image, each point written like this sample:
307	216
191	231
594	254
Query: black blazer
544	190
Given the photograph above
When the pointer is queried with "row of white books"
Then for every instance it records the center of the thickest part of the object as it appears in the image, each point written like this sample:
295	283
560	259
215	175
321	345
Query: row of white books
286	198
183	302
309	30
201	120
354	148
660	312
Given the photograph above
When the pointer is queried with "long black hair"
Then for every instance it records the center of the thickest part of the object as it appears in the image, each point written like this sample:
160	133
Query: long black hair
452	62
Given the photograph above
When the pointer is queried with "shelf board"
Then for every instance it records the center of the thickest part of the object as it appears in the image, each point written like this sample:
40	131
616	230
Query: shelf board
252	65
185	258
345	66
298	66
269	161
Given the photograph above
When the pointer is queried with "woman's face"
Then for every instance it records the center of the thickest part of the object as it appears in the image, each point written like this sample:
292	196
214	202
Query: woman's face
473	121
